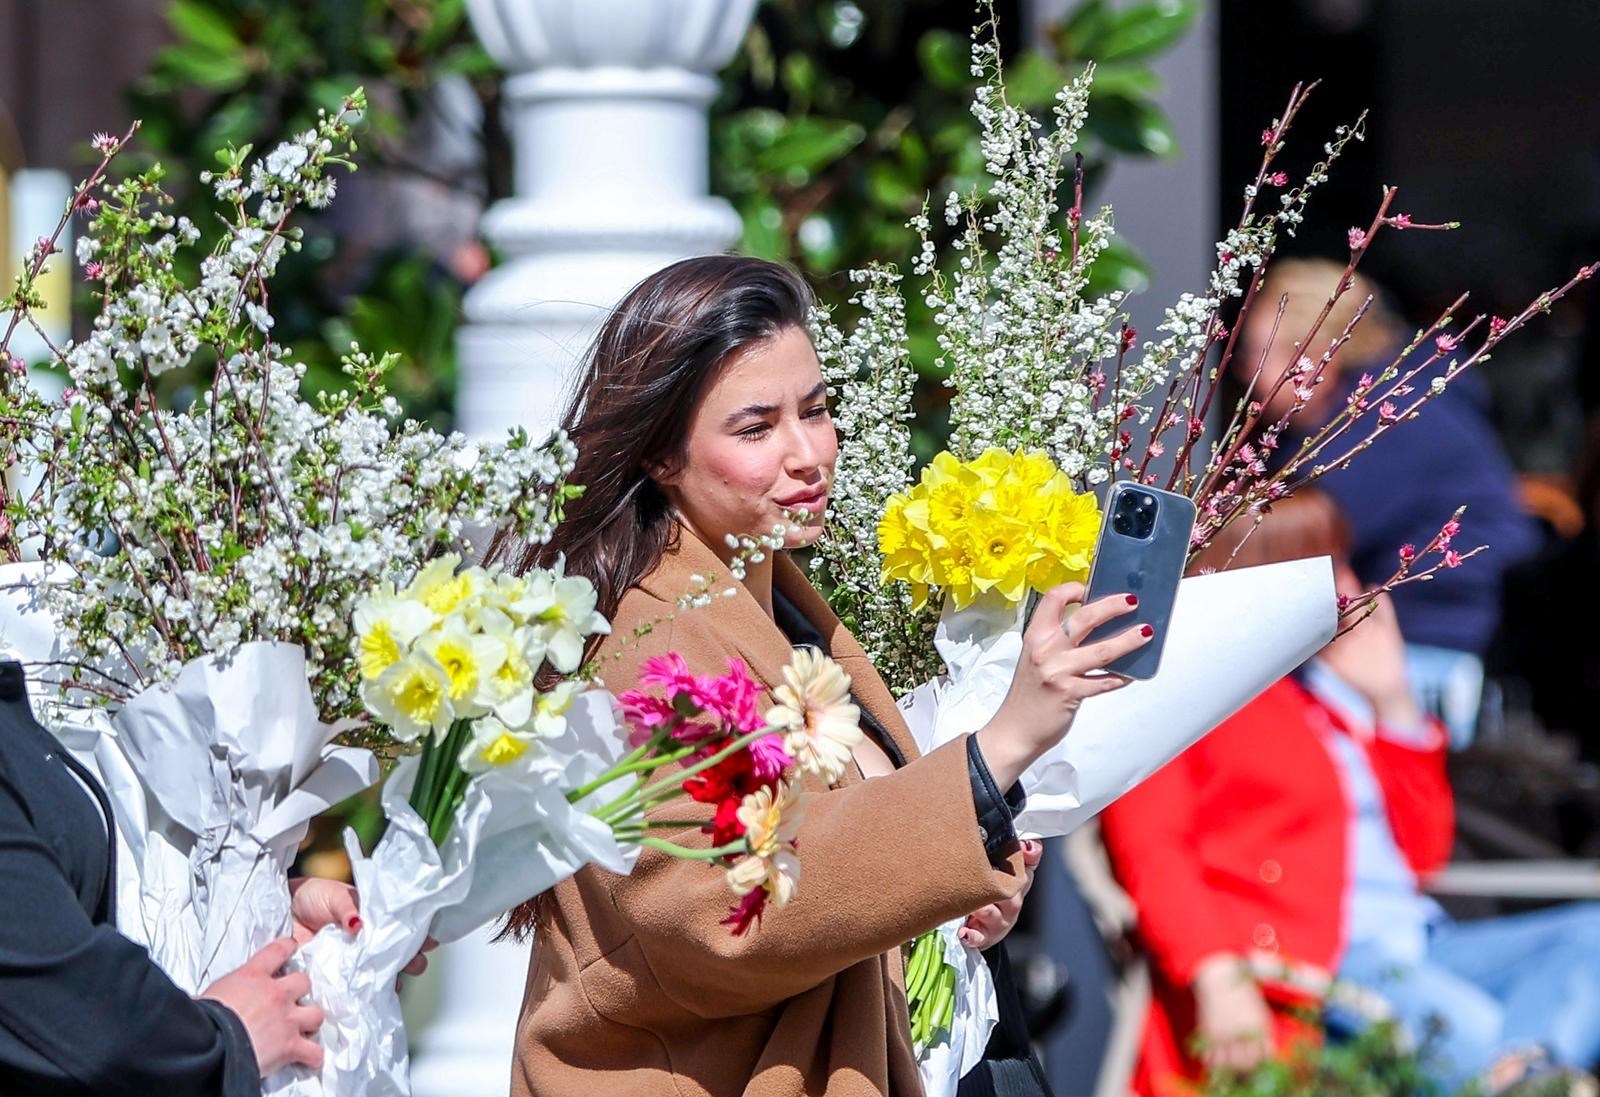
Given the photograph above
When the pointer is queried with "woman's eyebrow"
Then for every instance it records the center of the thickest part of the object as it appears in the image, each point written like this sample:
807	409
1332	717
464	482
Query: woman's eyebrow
756	410
759	410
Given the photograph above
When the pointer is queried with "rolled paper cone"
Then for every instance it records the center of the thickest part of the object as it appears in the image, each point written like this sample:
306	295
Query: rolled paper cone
1232	634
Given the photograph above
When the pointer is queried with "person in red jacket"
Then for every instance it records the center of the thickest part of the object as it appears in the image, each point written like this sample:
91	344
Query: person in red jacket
1283	851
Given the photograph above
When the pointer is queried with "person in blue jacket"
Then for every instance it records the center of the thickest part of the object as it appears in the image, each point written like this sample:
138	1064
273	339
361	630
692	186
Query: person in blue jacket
1407	485
83	1009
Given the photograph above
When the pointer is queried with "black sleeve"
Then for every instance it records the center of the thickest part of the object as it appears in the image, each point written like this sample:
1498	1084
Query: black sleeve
83	1010
241	1077
995	811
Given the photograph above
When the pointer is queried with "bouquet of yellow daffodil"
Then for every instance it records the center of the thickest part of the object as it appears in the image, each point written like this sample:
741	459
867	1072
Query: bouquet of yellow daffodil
481	813
1003	524
1043	369
982	534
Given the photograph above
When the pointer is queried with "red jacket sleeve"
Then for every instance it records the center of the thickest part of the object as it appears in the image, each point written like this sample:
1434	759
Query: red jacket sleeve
1150	836
1416	793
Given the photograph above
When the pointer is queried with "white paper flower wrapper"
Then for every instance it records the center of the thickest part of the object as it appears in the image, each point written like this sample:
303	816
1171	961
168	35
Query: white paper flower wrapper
514	836
238	763
977	1011
212	781
1232	634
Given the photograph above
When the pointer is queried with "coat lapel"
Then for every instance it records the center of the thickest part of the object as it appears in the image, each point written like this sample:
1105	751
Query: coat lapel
747	631
743	627
869	689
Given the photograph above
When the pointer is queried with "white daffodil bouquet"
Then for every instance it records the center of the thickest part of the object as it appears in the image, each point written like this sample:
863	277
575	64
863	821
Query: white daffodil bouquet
521	779
451	660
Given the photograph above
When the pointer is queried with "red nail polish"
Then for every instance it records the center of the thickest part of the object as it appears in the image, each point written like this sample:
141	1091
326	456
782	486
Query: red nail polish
1146	631
1133	599
354	924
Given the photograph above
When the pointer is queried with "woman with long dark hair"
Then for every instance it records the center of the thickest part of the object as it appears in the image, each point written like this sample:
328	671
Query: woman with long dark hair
702	413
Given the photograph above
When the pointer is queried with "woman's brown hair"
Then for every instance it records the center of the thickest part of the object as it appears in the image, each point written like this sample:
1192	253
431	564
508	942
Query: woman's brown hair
644	375
651	362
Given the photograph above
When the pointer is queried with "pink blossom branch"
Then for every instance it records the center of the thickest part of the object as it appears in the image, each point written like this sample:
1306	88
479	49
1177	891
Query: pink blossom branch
1407	572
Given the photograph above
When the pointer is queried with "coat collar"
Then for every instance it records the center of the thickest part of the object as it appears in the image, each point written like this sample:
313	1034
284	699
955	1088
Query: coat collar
747	630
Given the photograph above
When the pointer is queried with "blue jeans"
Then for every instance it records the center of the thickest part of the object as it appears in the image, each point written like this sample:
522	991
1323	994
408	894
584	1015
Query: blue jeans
1449	684
1495	985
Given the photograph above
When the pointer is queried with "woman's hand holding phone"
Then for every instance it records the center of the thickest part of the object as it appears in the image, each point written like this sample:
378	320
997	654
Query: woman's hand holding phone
1054	674
1144	543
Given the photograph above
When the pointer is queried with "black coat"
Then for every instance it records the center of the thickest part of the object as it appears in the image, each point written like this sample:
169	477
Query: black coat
83	1010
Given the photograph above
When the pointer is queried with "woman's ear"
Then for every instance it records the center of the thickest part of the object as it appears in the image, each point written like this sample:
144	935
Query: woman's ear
664	473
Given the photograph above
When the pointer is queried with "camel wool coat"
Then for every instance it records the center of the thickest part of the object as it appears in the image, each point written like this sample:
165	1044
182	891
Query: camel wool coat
634	989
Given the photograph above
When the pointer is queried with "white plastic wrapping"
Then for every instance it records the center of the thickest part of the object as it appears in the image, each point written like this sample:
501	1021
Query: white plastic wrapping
234	764
212	782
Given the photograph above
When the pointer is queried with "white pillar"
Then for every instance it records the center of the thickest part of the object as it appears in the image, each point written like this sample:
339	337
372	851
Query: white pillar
461	1017
607	102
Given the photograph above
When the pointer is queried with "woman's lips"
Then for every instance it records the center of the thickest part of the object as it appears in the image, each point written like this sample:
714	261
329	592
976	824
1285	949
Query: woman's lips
814	503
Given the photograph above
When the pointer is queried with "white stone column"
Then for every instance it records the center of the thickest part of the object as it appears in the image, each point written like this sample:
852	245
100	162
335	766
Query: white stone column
607	111
607	102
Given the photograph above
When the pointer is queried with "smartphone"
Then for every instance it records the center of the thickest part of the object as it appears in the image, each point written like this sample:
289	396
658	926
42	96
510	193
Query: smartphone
1143	545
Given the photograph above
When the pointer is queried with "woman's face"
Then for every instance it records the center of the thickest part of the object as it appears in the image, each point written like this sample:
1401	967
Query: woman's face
760	443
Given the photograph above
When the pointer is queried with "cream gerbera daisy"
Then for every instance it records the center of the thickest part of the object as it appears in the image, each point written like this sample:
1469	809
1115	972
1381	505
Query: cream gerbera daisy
822	725
770	826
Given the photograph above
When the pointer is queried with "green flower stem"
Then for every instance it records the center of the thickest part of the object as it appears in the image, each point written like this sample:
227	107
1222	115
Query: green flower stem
446	764
423	783
606	814
433	800
445	812
719	852
632	831
626	803
611	774
930	992
626	766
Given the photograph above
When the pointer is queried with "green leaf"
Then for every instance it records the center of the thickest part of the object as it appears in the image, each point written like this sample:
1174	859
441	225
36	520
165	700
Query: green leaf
759	57
287	48
1118	267
809	144
1079	38
1147	29
203	25
468	59
913	157
236	120
799	76
945	58
763	235
447	19
212	71
1128	81
1033	80
328	92
819	241
1132	125
892	189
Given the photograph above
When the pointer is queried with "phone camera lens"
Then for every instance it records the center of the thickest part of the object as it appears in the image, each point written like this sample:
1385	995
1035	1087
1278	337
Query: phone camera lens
1134	514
